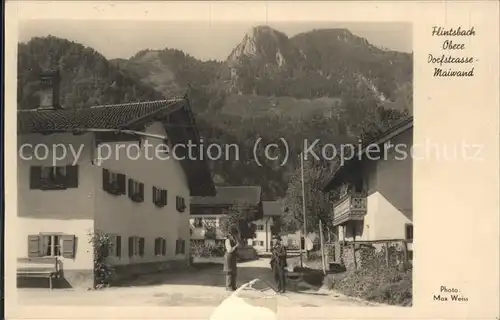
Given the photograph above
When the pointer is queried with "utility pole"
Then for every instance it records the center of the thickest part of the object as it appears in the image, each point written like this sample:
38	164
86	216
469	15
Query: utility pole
303	204
323	260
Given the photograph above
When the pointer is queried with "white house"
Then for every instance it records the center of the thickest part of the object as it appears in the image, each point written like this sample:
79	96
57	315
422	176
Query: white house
263	234
374	194
207	211
134	194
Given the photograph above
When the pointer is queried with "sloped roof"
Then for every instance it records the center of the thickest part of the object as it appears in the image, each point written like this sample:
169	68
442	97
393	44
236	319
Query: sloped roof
395	130
128	116
272	208
230	195
116	116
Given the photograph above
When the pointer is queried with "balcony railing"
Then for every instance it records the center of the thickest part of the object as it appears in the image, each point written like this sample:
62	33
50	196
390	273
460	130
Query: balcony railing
350	207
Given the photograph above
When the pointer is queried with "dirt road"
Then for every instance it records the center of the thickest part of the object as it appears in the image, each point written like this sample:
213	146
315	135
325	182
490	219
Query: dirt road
200	288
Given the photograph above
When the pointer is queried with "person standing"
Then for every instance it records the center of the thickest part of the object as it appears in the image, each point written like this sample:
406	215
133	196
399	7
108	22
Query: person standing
230	259
278	263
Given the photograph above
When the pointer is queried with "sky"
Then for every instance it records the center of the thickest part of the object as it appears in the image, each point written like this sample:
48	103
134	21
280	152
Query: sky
203	40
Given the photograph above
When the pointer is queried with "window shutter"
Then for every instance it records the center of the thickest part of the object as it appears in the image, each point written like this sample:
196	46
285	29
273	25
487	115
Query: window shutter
130	246
154	195
183	246
68	246
105	179
121	183
164	197
141	247
118	246
72	176
141	191
164	247
34	246
130	182
35	177
177	246
156	246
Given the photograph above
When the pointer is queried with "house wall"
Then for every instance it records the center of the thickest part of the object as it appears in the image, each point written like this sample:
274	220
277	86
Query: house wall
69	211
119	215
394	191
262	235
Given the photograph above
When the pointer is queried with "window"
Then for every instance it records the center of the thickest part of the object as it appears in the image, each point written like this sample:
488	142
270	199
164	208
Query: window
260	227
53	178
113	183
409	232
51	245
198	223
159	197
116	247
180	204
258	243
135	246
135	190
160	247
180	246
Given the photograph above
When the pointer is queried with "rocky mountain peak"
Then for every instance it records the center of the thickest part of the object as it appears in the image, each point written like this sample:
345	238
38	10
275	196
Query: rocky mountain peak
264	43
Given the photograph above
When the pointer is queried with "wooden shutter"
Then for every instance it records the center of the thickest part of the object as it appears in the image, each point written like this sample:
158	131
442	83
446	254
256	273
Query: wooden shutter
118	246
130	246
35	177
68	246
130	182
164	197
34	246
141	191
105	179
72	176
121	183
163	247
141	247
154	195
177	246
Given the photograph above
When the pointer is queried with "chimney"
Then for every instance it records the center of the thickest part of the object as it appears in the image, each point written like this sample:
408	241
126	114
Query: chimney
49	91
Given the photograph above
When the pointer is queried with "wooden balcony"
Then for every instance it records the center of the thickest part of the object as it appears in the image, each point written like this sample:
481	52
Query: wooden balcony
348	208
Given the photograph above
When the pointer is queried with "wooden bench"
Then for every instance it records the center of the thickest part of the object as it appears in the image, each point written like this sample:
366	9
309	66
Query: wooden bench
39	267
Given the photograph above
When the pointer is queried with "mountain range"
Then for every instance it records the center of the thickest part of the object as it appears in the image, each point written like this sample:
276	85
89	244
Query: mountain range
324	84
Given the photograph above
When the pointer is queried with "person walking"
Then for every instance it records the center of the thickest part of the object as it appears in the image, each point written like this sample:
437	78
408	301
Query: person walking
278	263
230	259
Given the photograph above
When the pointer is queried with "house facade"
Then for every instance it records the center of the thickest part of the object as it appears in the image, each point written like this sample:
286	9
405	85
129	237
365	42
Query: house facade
374	195
206	212
110	185
262	242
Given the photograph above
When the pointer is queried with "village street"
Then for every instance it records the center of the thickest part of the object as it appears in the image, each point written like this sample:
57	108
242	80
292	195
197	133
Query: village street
203	288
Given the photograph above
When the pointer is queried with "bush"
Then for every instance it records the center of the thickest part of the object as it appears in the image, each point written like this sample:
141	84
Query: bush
384	285
103	271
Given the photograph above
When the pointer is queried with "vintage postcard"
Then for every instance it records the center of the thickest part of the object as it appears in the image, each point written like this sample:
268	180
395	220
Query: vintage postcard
251	160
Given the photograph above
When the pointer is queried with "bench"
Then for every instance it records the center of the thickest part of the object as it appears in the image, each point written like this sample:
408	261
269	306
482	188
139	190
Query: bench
39	267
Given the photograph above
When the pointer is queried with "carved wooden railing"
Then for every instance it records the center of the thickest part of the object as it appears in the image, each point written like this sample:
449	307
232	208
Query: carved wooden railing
350	207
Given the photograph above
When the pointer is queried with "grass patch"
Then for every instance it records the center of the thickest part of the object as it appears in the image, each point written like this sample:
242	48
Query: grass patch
383	285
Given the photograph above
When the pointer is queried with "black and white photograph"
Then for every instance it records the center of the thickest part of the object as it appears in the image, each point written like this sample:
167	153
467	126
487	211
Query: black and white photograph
184	164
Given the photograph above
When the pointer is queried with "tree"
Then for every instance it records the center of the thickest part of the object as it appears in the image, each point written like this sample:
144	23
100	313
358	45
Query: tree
240	216
318	204
277	226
